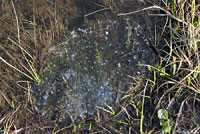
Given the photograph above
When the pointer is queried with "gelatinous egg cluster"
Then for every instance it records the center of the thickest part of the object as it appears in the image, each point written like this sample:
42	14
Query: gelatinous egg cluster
87	66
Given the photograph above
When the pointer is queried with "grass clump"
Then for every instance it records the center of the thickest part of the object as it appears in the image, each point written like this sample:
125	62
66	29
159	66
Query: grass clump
24	40
177	82
173	86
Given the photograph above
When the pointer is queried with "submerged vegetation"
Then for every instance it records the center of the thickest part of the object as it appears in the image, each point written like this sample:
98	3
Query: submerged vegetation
166	99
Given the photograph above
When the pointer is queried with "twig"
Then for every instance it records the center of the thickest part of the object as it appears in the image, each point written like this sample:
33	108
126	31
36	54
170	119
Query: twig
152	8
34	28
179	114
86	15
142	112
18	35
15	68
44	50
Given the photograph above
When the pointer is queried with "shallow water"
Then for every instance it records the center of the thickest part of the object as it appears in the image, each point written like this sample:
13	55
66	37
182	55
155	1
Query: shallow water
85	69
